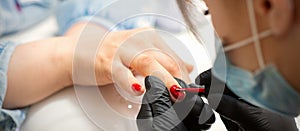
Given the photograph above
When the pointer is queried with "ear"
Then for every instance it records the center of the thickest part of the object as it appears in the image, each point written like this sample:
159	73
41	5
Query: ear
280	14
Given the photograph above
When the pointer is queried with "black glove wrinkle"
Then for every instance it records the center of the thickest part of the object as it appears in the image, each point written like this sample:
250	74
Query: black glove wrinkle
200	116
158	114
238	114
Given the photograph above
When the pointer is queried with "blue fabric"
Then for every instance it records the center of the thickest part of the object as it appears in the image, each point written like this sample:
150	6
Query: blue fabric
16	15
267	88
9	119
107	13
13	19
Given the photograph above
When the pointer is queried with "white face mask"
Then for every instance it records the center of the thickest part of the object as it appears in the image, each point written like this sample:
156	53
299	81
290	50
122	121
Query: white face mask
267	88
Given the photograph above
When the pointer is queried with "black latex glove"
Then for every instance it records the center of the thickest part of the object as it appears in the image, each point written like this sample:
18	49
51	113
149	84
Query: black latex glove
196	115
240	115
159	114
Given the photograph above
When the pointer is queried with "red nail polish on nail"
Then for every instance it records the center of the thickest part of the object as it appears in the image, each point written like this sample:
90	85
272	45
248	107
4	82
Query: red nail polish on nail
136	87
177	94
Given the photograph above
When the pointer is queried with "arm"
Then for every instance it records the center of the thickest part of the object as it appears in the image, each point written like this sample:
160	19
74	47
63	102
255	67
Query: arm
37	70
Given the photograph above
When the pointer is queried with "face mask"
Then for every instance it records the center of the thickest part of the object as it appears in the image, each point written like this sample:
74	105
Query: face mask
267	88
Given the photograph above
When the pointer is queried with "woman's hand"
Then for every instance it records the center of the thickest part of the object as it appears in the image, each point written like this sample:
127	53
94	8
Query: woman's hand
86	55
102	58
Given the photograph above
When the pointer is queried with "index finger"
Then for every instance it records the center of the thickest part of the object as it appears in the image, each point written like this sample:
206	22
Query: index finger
148	65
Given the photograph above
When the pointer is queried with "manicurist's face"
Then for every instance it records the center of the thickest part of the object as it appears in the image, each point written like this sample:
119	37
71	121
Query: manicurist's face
279	17
230	19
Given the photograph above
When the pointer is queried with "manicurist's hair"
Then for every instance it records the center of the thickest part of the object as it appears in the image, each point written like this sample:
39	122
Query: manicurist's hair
192	16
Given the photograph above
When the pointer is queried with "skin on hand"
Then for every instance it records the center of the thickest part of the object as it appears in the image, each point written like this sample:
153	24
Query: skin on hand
36	70
41	68
121	55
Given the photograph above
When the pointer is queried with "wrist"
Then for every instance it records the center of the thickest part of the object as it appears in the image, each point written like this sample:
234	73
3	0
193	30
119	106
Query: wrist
64	57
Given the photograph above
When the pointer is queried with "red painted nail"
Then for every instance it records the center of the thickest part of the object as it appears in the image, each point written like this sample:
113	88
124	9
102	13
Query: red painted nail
136	87
177	94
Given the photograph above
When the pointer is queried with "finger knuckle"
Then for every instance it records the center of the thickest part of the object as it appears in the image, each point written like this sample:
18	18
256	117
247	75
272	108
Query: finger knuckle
173	68
144	60
107	72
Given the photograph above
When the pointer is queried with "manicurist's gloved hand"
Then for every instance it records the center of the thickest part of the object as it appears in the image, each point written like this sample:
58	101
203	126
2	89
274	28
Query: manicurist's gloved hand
159	113
241	115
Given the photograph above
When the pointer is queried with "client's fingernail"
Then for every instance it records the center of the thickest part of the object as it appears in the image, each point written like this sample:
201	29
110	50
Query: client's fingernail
177	94
136	87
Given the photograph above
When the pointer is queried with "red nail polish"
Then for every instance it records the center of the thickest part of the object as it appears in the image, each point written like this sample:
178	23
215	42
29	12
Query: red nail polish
136	86
177	94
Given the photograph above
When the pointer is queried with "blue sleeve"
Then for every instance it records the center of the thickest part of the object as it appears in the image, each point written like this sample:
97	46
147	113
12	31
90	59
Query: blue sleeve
16	15
106	13
9	119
